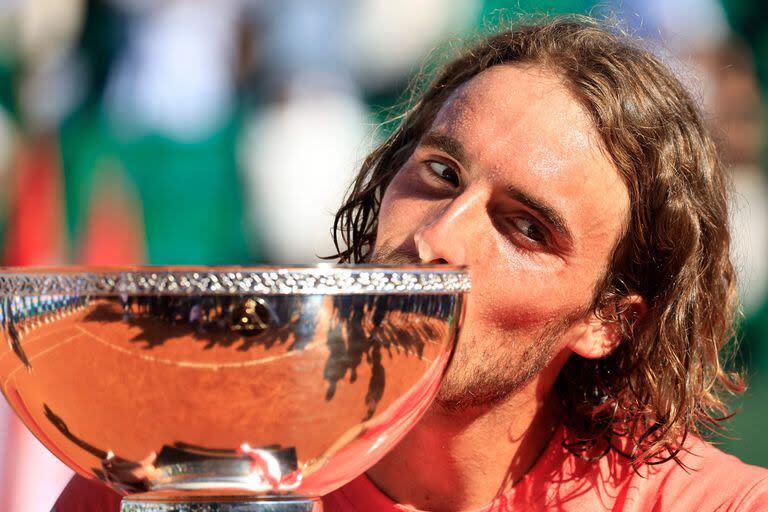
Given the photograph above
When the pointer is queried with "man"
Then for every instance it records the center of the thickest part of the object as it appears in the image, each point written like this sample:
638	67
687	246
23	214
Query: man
573	174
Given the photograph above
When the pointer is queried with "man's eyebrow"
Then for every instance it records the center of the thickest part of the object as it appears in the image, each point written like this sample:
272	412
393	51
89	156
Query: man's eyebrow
447	144
550	214
454	148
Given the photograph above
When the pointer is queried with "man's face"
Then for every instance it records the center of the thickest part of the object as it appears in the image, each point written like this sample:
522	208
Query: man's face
509	180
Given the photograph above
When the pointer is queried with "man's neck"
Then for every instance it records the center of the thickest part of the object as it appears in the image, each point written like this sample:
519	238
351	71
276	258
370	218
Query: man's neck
455	461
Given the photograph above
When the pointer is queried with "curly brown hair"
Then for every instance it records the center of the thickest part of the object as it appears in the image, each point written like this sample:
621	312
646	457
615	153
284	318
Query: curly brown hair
666	378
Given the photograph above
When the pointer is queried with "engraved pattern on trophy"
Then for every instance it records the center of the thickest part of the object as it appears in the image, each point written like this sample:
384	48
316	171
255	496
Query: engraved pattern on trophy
308	281
183	384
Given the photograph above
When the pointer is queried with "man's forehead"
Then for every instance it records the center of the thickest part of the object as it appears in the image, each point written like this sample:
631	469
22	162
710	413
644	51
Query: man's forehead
528	103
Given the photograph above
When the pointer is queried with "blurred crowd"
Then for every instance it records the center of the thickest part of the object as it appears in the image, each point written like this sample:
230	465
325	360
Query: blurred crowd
226	132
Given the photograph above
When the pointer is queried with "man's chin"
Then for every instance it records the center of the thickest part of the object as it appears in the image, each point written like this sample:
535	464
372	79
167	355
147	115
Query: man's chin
464	389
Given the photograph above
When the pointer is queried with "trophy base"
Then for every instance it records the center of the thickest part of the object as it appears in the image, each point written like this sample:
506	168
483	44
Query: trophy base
221	504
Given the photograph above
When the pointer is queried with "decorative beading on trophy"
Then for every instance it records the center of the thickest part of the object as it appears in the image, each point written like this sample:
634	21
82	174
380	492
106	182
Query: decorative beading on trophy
303	281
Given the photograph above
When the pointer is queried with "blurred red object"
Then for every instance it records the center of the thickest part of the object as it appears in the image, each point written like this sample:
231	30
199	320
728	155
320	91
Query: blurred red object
114	234
36	218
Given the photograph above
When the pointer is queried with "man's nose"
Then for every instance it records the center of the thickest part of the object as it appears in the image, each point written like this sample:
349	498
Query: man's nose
445	236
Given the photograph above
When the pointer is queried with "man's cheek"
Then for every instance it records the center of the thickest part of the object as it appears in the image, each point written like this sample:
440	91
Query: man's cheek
401	215
508	308
385	219
393	229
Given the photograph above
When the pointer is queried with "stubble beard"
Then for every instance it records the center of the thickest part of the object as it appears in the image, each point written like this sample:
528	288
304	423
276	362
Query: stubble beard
475	380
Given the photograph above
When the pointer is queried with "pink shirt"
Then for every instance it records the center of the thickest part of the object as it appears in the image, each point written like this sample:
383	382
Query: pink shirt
559	481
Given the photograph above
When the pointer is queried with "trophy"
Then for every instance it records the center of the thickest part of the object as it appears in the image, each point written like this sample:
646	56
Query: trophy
197	389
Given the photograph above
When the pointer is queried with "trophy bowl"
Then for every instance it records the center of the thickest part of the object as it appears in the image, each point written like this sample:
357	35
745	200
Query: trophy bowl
225	389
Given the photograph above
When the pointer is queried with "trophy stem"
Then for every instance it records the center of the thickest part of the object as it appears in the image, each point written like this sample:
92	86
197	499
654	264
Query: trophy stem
222	504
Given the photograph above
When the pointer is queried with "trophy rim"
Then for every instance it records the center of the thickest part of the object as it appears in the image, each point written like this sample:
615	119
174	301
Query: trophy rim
317	279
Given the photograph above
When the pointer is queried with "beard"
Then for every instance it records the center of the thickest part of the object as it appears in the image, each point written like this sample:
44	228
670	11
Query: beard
483	378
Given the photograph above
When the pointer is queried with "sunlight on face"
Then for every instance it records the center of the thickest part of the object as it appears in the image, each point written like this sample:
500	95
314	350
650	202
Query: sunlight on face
509	180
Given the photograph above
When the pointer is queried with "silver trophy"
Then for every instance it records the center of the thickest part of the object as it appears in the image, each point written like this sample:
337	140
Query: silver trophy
225	389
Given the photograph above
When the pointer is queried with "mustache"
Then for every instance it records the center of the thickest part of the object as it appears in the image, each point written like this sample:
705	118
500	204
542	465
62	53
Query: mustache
388	255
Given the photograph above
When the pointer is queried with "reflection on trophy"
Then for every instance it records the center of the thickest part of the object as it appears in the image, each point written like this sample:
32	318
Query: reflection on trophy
246	390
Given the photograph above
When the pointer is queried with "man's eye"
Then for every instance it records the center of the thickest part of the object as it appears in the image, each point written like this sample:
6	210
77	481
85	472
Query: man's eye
529	229
444	172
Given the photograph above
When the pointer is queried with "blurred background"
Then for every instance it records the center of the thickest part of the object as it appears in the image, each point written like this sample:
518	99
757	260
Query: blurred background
226	132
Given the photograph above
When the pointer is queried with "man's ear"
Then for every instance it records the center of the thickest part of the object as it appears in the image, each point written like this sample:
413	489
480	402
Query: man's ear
602	333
